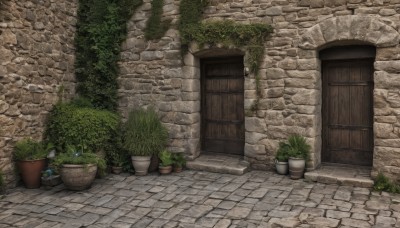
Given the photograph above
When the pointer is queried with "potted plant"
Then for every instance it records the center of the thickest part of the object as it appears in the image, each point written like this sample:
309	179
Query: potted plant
299	151
179	162
166	162
50	178
31	160
78	167
143	136
117	162
281	159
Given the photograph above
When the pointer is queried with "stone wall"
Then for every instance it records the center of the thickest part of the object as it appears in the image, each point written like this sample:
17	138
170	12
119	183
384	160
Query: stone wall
153	73
36	66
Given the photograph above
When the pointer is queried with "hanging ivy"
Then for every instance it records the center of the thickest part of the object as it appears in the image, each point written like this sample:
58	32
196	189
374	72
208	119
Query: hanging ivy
101	28
249	36
155	28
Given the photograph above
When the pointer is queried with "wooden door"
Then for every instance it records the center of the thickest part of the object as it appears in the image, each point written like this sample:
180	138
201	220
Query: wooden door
348	111
223	105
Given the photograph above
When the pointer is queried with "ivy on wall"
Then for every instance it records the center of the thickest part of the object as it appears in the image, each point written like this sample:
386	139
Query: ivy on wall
156	28
101	28
249	36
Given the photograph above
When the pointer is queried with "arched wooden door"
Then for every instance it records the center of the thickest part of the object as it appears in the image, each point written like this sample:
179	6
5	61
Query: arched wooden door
347	108
222	107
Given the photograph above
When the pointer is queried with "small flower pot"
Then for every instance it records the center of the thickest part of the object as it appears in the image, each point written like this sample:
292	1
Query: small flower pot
31	172
116	169
282	168
178	169
165	169
141	164
296	168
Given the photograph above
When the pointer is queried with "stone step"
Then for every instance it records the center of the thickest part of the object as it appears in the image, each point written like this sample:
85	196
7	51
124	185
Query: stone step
355	176
219	164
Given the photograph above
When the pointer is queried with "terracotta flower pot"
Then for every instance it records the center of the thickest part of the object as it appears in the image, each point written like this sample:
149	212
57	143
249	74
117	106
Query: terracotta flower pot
78	177
178	169
31	172
165	169
116	169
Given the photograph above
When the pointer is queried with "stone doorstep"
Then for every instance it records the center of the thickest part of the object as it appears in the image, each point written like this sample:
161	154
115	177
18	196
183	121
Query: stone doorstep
335	175
219	164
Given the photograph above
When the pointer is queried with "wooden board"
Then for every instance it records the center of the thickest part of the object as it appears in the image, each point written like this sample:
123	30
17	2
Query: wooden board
348	112
223	105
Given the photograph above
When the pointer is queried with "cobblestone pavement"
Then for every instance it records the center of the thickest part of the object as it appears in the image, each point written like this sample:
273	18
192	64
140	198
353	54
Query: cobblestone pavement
201	199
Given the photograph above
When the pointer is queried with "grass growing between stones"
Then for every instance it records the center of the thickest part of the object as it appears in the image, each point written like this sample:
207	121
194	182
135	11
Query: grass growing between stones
383	183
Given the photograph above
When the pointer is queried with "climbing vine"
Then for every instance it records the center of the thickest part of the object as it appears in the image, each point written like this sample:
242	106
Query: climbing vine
156	28
101	28
228	33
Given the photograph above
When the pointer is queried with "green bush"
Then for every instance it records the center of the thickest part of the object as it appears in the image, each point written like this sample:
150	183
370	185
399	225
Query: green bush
282	154
115	153
166	158
28	149
144	134
296	147
179	160
382	183
71	124
79	156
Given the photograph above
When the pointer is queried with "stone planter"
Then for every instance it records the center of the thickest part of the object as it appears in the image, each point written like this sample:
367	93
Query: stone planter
116	169
141	164
31	172
165	169
296	168
78	177
281	167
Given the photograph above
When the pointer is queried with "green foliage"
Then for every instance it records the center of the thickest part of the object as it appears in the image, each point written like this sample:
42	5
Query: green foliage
282	154
28	149
144	134
296	147
226	32
156	28
166	158
179	160
115	153
79	156
101	28
191	12
71	124
382	183
2	181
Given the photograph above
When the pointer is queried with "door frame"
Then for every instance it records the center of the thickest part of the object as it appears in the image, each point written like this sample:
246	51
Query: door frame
203	61
344	53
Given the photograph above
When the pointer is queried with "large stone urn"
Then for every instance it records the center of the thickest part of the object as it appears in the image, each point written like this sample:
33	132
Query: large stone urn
78	177
141	164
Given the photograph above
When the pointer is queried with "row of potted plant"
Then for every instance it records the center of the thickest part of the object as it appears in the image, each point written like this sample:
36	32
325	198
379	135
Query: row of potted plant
292	156
81	134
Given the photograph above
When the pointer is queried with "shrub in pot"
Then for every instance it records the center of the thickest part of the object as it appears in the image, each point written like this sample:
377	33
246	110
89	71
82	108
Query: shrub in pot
78	167
30	156
78	122
281	159
116	156
144	135
299	151
166	159
179	162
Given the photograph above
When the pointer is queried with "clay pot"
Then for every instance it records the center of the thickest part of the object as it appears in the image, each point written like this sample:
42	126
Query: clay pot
177	169
281	167
78	177
141	164
31	172
296	168
116	169
165	169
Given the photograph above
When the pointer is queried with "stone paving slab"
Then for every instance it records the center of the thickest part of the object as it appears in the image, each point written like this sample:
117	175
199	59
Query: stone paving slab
220	164
201	199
